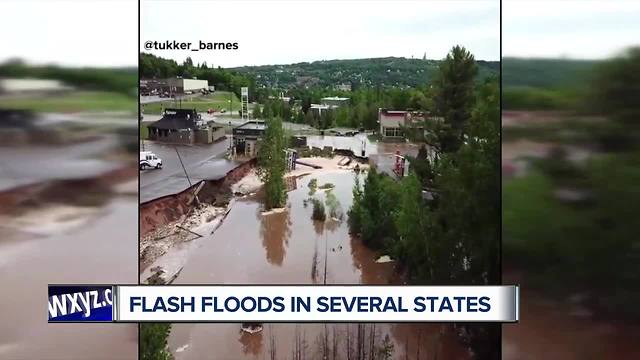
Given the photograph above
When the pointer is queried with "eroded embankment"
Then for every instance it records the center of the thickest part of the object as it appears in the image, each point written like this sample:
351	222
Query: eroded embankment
159	217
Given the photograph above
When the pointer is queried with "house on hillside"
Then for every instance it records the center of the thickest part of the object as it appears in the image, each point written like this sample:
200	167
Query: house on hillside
184	126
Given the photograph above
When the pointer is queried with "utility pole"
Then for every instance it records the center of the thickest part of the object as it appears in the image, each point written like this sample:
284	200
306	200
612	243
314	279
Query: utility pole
183	168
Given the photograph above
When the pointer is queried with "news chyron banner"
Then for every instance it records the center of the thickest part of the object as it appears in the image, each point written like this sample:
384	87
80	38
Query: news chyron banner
283	303
86	303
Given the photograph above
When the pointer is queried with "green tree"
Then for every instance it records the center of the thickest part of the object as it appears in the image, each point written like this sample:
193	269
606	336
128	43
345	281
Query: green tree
153	341
373	210
454	96
257	114
153	336
272	164
615	96
355	212
411	247
266	112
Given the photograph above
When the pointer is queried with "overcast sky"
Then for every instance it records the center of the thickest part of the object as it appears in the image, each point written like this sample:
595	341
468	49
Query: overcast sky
271	32
104	32
73	33
574	29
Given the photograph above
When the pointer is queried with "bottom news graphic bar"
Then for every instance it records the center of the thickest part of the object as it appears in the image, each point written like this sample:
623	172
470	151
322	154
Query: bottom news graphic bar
86	303
283	303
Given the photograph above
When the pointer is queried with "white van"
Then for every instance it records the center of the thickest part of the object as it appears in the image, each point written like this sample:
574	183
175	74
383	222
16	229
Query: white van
149	160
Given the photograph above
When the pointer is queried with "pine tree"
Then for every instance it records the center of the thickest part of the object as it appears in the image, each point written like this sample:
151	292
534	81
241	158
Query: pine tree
454	98
272	164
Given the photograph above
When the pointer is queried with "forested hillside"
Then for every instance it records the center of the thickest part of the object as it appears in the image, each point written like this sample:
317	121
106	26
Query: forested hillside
390	71
544	84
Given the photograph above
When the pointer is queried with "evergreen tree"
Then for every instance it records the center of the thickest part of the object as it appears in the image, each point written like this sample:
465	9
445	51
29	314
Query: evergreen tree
454	86
272	164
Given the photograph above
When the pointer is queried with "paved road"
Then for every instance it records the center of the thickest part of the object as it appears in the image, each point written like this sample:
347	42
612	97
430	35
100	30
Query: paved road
203	162
32	164
224	119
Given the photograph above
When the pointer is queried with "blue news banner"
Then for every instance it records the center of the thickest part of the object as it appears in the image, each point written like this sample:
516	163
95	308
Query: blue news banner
86	303
283	303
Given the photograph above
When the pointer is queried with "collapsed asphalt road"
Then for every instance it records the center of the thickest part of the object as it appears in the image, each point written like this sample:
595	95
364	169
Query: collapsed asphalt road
202	162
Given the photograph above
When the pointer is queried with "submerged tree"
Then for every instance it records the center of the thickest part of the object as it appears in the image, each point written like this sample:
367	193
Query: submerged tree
272	164
153	341
153	336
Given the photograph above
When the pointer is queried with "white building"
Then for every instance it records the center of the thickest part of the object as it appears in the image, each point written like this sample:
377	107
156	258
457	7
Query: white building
181	86
318	109
31	85
334	101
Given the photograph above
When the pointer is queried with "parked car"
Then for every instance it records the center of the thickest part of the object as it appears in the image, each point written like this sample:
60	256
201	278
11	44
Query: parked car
149	160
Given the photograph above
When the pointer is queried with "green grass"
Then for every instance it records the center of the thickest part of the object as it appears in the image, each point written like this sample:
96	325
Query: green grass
81	101
219	100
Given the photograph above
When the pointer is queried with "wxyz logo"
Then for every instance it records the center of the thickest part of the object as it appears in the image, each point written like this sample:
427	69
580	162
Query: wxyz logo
81	302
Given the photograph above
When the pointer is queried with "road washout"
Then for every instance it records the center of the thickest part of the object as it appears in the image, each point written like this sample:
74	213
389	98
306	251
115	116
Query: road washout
67	209
288	247
166	243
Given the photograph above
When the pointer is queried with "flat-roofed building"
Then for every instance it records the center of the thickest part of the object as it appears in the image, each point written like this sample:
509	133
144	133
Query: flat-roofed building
246	138
391	122
184	126
334	101
318	109
182	86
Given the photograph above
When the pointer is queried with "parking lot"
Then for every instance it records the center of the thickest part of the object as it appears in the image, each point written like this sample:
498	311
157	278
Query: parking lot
202	162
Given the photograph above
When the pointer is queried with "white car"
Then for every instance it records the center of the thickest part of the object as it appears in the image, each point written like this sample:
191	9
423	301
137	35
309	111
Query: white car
149	160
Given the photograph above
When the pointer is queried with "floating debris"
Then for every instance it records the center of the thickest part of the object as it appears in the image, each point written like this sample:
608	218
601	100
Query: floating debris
384	259
327	186
251	328
274	211
182	348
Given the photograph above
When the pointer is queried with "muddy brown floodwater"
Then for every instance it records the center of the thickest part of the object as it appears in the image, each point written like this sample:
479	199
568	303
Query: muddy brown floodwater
100	251
290	248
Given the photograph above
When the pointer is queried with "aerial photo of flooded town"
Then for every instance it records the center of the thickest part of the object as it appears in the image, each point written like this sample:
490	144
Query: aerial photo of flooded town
290	167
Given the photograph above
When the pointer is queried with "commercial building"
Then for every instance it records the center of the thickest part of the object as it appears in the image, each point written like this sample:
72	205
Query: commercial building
184	126
318	109
183	86
246	138
152	86
334	101
31	86
392	121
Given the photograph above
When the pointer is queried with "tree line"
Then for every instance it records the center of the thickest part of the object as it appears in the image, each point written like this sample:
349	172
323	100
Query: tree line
119	80
361	110
154	67
396	72
442	222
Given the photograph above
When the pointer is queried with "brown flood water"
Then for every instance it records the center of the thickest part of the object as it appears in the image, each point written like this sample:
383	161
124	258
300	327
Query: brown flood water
101	251
290	248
